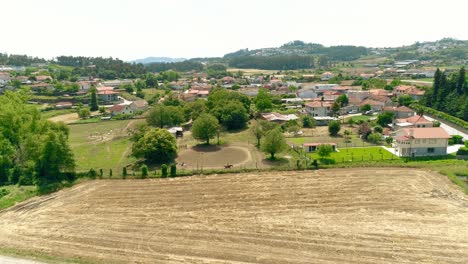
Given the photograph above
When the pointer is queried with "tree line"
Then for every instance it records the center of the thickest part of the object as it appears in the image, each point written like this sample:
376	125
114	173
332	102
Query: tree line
183	66
286	62
19	60
449	93
32	150
106	68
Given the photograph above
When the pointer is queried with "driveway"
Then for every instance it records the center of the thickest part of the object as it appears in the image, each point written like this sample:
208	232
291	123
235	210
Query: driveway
450	130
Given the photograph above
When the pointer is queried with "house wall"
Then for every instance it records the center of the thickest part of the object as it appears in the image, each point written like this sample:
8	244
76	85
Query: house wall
318	111
420	147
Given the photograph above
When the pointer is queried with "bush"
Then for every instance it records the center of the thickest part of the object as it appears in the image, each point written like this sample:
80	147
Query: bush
334	127
92	173
144	171
110	173
101	173
25	180
463	151
466	143
378	129
457	139
389	140
124	172
164	171
4	192
173	172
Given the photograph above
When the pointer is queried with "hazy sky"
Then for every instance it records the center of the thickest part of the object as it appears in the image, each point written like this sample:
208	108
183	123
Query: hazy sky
131	29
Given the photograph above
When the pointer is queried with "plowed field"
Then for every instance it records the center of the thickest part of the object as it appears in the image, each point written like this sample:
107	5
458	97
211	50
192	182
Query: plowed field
327	216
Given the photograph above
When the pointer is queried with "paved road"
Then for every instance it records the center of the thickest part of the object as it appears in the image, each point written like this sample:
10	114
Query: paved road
10	260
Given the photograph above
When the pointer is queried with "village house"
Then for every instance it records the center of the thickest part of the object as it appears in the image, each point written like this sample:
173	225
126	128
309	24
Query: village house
375	105
326	76
4	77
107	94
412	91
23	79
400	112
319	108
413	121
121	110
139	105
84	85
116	83
312	147
417	142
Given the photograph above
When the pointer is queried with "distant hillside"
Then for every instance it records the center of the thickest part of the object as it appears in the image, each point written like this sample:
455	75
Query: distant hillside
158	60
447	50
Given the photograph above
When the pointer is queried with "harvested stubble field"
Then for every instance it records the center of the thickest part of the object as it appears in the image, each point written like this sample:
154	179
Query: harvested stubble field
327	216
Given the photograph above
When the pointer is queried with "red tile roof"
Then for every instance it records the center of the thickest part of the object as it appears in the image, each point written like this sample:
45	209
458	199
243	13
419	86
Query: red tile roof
414	120
426	132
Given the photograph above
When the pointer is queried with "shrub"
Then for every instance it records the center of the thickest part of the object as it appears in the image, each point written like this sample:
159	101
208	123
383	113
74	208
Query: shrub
457	139
463	151
92	173
101	173
164	171
25	180
334	127
389	140
124	172
466	143
375	138
378	129
4	192
144	171
110	173
173	172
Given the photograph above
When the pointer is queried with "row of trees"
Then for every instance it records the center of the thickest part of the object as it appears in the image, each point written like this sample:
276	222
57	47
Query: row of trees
19	60
449	94
285	62
32	150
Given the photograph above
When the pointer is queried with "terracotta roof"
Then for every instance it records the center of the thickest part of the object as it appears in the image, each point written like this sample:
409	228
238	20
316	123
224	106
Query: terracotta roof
403	109
319	104
370	102
104	88
414	120
117	108
426	132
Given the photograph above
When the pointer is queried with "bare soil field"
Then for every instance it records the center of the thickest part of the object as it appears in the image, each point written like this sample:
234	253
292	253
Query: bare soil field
363	215
213	156
67	118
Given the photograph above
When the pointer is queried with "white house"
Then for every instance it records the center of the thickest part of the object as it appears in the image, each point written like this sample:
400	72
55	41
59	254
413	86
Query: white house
414	142
312	147
326	76
319	108
121	109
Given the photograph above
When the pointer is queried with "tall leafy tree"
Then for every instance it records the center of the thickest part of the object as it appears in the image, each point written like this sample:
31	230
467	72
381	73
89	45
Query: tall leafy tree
273	142
161	116
156	145
94	103
205	127
263	100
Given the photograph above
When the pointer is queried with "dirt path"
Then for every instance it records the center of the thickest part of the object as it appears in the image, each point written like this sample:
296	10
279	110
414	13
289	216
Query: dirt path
366	215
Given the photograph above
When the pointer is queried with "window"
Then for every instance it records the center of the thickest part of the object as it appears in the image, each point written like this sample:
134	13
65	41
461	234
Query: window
430	150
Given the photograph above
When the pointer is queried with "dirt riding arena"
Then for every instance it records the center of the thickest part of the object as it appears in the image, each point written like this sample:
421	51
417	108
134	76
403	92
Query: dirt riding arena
328	216
214	157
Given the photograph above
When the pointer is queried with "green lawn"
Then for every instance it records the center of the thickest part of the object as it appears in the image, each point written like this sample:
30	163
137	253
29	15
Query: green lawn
52	113
364	118
103	145
16	194
358	154
340	141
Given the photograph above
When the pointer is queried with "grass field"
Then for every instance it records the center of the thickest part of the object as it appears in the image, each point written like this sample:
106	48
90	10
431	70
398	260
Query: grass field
16	194
365	215
358	154
103	145
53	113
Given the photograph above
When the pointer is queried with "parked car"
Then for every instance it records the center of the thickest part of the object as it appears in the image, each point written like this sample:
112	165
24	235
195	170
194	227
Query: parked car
370	112
353	112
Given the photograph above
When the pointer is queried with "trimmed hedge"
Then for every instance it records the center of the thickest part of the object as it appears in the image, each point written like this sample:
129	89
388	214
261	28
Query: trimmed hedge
442	115
463	151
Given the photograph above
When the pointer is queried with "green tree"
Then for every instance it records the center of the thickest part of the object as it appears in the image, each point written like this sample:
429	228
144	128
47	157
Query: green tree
351	122
263	100
375	138
193	110
164	171
342	100
231	115
385	118
405	100
144	171
273	142
110	173
173	170
161	116
308	121
334	127
94	103
366	107
205	127
157	145
324	150
84	112
102	110
335	108
124	172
